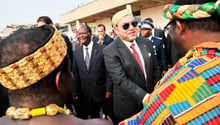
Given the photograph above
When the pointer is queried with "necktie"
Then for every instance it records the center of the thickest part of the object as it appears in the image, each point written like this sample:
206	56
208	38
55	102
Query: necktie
137	57
100	40
87	58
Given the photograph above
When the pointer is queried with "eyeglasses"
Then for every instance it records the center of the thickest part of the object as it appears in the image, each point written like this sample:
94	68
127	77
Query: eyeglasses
167	27
127	25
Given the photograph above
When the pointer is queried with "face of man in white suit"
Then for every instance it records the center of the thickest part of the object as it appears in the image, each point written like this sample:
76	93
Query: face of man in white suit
127	28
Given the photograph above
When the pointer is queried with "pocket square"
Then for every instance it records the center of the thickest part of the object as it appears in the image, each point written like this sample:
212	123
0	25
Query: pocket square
149	54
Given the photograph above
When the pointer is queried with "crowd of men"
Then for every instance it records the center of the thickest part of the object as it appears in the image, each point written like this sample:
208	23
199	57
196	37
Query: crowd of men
97	78
136	78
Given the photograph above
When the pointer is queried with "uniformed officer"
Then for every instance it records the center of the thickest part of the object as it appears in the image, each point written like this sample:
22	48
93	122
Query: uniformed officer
157	44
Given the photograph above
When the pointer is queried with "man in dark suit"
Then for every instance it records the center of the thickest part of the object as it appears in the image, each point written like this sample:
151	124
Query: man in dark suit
90	75
102	37
174	100
157	44
131	64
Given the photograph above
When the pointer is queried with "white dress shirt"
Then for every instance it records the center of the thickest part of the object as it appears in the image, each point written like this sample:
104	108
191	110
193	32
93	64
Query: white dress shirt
89	50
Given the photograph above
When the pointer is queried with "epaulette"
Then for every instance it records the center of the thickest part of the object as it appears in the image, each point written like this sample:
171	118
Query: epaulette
156	37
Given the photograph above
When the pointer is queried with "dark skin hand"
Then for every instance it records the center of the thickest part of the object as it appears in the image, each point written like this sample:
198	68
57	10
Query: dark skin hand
108	95
75	97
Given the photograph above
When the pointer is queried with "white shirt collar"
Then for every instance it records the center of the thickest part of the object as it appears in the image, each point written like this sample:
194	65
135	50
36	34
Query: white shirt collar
89	46
89	49
128	44
150	37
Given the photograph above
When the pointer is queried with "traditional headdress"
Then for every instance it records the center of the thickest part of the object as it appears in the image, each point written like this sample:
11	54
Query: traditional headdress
119	15
32	68
195	11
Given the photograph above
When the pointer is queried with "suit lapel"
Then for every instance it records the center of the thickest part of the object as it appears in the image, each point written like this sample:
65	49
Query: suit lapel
128	55
123	49
104	40
81	58
143	49
94	52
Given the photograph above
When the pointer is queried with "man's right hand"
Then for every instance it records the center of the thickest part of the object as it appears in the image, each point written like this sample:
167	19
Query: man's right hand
108	95
75	97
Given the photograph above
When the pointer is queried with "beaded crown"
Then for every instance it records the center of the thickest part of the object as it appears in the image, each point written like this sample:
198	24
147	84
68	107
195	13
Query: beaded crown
194	11
32	68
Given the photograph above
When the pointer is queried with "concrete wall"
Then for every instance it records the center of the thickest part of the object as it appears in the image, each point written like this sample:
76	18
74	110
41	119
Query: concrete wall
156	13
106	22
93	8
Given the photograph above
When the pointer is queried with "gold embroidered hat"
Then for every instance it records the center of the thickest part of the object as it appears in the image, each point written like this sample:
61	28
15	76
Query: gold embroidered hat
119	15
35	66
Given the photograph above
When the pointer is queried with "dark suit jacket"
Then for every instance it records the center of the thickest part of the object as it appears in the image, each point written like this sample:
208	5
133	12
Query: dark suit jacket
129	82
94	81
160	33
106	40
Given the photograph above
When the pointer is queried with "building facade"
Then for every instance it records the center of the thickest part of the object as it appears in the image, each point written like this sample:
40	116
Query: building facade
101	11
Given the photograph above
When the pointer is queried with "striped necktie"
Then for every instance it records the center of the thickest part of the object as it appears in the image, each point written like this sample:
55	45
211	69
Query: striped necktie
87	58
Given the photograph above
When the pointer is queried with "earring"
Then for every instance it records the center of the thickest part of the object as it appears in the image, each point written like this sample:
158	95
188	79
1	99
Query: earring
58	80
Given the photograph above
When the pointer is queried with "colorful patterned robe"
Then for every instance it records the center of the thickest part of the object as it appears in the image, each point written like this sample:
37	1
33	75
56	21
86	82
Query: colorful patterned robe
189	93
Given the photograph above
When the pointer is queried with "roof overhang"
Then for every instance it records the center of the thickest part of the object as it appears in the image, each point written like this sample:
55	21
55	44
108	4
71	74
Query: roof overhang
100	9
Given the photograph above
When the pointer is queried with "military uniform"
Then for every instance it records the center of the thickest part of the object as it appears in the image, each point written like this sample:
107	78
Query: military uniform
159	51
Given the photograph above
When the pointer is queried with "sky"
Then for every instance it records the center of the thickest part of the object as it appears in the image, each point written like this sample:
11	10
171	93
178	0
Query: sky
28	11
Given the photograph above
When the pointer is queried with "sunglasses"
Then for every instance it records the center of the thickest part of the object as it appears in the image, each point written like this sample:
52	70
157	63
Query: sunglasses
127	25
167	27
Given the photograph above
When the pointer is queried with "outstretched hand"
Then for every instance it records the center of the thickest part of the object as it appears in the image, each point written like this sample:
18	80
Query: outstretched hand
75	97
108	95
